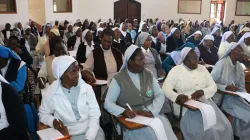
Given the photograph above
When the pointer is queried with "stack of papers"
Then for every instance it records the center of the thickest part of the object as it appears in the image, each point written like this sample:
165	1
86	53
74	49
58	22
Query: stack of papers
241	94
49	134
207	112
140	120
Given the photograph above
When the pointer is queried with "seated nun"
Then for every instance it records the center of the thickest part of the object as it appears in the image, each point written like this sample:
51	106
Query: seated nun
216	33
208	52
125	35
68	33
229	75
195	38
131	31
118	43
69	105
104	61
143	28
85	47
137	86
245	43
227	38
152	60
12	117
156	41
174	57
75	40
192	81
98	36
41	41
45	74
174	40
12	68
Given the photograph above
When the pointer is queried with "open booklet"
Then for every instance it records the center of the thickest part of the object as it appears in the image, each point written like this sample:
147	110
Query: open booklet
243	95
50	134
207	112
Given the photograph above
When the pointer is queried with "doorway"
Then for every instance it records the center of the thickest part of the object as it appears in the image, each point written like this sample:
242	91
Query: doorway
127	9
217	9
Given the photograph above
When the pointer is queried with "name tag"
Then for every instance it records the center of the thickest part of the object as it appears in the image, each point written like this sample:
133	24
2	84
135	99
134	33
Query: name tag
149	92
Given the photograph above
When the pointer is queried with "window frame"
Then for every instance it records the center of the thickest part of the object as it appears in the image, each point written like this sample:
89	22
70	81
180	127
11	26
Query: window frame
15	12
178	10
70	8
236	14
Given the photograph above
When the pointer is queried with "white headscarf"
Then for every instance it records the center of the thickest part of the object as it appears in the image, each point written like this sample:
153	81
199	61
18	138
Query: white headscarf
226	35
99	29
207	37
214	30
231	46
115	28
124	33
27	27
128	54
55	31
197	32
184	53
141	24
242	39
172	31
232	26
142	37
67	28
75	28
84	33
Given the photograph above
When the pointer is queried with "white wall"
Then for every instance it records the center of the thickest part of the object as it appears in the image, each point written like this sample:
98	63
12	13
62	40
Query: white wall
22	15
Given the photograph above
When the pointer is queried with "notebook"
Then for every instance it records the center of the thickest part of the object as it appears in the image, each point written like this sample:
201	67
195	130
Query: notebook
49	134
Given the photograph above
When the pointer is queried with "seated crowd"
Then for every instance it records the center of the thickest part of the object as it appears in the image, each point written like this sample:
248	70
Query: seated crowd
151	69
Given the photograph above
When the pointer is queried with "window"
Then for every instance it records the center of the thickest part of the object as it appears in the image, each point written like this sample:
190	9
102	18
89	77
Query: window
189	6
7	6
242	8
62	6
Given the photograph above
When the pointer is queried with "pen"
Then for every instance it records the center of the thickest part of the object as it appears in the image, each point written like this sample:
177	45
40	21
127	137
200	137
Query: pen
233	83
202	60
42	81
129	107
59	123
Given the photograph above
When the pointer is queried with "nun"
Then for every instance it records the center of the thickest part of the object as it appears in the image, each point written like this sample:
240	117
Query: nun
86	47
98	36
118	43
208	52
216	33
227	38
137	86
174	40
68	33
179	88
228	74
152	60
245	43
125	35
75	40
30	38
12	116
143	28
157	44
46	30
69	105
195	38
174	58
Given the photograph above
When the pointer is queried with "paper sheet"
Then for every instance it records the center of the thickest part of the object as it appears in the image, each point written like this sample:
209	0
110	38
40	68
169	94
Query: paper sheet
241	94
101	82
43	91
72	53
207	112
140	119
208	66
49	134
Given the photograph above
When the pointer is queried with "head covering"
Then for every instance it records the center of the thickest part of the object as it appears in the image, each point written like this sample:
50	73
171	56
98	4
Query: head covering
17	33
187	44
232	26
131	49
44	27
67	28
172	31
27	27
124	33
184	53
99	29
142	37
231	46
226	35
197	32
207	37
242	39
115	28
7	53
214	30
141	24
150	31
84	33
157	25
75	28
55	31
176	55
245	29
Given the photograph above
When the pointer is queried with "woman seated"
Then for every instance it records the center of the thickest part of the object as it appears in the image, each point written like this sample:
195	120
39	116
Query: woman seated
104	61
119	43
125	35
158	44
12	68
86	47
136	86
195	38
68	33
227	38
98	36
152	60
12	117
192	81
46	31
174	40
75	40
216	33
174	57
245	43
70	105
45	73
209	53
